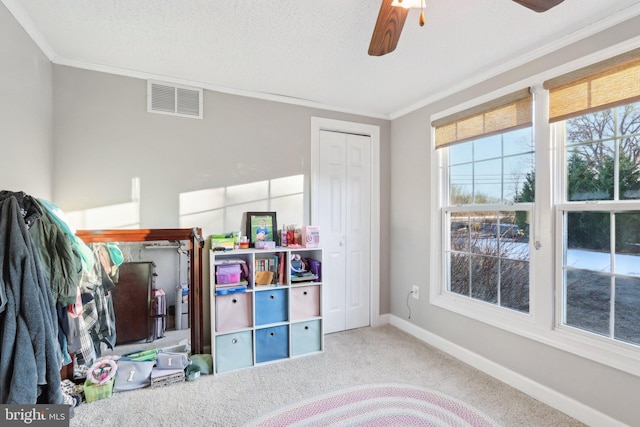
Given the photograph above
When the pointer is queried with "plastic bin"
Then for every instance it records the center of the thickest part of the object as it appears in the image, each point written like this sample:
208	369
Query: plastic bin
93	392
229	273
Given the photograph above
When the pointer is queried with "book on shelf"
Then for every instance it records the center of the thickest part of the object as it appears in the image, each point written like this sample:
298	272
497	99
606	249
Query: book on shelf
273	265
231	285
281	263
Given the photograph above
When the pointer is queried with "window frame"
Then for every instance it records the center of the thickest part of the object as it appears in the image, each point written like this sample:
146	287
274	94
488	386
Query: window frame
543	323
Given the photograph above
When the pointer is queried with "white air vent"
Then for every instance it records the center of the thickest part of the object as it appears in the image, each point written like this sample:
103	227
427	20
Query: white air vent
175	100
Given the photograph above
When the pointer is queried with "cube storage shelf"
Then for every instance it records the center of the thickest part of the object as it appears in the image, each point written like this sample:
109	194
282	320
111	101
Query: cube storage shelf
264	322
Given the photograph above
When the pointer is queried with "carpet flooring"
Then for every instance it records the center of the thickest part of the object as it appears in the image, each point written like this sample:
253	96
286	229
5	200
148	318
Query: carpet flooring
355	358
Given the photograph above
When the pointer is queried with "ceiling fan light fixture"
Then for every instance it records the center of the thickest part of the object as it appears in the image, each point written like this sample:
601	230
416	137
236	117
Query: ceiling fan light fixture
407	4
412	4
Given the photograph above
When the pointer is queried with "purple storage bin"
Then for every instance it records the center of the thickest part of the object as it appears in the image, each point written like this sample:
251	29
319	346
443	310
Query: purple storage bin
228	273
315	267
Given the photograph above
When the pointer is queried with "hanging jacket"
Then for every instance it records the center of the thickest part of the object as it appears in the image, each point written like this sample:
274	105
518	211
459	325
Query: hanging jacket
30	356
62	266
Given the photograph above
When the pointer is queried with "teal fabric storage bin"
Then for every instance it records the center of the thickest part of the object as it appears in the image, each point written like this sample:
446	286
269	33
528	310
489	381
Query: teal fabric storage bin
272	343
271	306
234	351
306	337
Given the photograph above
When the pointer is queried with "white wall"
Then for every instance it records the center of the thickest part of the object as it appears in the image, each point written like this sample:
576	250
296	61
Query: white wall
225	164
25	112
576	380
79	138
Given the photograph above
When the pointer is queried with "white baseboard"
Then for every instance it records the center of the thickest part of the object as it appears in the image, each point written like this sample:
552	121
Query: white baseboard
536	390
384	319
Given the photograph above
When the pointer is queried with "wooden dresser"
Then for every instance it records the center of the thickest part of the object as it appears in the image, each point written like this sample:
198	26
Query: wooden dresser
132	301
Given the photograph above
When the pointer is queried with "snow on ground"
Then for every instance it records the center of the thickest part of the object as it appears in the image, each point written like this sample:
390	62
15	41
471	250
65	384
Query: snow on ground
625	264
601	261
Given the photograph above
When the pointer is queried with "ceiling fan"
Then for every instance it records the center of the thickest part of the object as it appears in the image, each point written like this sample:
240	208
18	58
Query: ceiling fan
393	13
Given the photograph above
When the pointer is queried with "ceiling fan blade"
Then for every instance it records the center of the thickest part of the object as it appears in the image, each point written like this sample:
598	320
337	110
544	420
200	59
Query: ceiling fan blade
388	29
539	5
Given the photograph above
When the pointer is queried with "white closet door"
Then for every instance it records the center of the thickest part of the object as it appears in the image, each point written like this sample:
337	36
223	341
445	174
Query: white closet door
344	220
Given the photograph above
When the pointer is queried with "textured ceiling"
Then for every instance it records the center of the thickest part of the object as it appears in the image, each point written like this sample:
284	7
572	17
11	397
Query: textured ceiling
312	52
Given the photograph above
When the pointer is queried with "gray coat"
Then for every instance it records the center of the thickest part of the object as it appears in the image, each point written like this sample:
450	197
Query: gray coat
30	356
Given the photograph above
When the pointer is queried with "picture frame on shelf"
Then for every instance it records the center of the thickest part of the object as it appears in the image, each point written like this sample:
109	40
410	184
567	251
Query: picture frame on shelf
261	227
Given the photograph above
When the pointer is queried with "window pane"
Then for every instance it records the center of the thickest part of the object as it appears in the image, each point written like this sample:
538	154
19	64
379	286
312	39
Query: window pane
460	232
518	179
588	240
627	253
590	127
512	241
459	274
514	285
588	297
484	278
461	153
627	314
590	171
488	181
483	238
629	167
489	147
518	141
461	184
629	119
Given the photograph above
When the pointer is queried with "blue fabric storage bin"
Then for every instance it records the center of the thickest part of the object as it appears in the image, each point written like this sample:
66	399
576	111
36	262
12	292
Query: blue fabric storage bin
234	351
272	343
305	337
271	306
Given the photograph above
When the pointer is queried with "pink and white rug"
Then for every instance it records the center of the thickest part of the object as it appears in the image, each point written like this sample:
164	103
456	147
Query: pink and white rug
378	405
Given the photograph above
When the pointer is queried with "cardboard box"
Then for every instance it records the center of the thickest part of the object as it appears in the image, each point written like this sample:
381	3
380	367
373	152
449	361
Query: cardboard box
311	236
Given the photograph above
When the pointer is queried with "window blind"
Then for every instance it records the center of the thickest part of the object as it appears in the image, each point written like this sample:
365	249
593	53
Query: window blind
505	113
606	84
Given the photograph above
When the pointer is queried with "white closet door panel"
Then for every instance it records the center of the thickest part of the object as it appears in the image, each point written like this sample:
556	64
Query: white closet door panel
358	238
332	193
344	220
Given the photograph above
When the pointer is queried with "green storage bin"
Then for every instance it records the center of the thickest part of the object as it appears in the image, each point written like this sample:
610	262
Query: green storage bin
234	351
306	337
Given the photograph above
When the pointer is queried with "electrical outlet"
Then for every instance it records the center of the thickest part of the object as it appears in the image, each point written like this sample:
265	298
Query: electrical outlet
415	292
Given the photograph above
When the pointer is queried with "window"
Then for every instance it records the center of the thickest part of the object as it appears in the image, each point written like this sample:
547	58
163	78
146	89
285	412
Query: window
597	124
556	259
601	222
489	175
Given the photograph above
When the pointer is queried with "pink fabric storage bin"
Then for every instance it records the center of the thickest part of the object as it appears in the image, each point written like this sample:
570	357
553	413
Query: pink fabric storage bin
233	312
227	274
305	302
